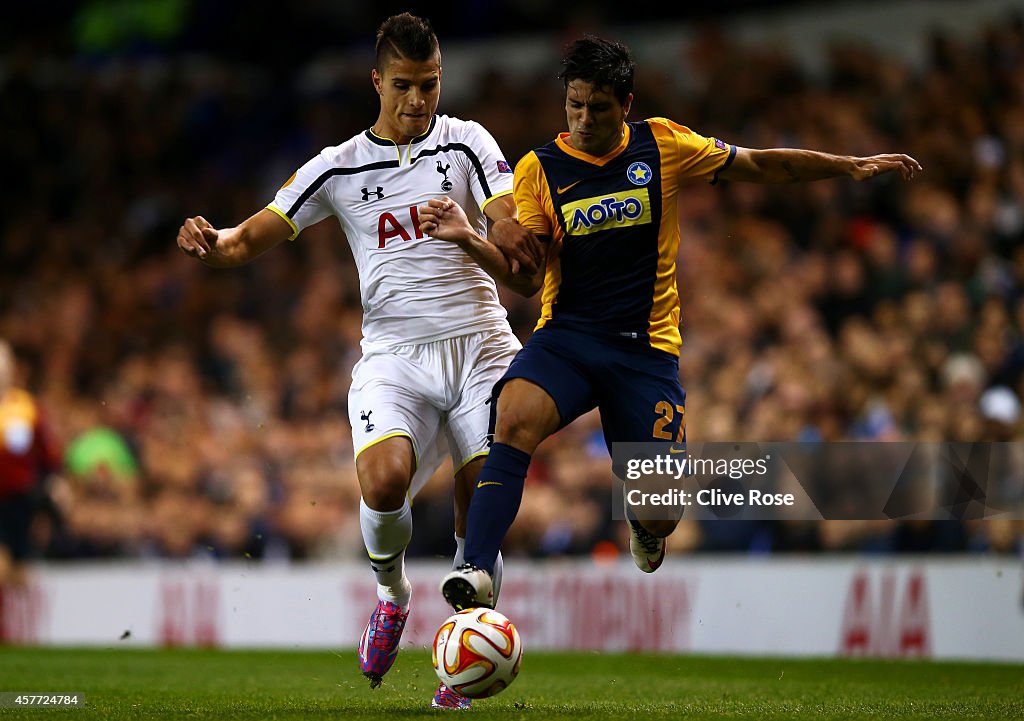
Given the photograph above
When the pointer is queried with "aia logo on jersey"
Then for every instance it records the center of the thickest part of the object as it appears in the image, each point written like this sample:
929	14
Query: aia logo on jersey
378	193
389	226
446	185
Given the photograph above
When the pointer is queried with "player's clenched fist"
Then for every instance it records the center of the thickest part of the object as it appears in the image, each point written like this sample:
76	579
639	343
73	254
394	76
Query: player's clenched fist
196	237
444	219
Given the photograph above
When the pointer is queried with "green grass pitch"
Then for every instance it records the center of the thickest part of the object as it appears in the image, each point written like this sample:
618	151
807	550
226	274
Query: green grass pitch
187	684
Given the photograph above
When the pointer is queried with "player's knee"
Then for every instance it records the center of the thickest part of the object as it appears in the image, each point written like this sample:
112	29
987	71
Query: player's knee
385	494
385	473
526	415
384	485
515	428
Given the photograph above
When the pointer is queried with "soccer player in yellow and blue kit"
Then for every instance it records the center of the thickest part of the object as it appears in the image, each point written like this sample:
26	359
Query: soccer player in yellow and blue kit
603	197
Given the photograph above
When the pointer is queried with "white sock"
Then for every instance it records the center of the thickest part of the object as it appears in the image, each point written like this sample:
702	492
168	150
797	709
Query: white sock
386	535
499	565
460	551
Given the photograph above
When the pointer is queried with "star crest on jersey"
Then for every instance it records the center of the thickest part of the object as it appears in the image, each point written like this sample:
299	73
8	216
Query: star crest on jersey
639	173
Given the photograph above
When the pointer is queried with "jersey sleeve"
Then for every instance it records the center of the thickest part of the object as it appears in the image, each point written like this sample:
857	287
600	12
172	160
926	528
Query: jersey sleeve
533	197
491	176
697	157
303	200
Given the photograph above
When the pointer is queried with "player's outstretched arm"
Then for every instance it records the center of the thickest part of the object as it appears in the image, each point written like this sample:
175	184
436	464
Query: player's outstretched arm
444	219
793	165
228	247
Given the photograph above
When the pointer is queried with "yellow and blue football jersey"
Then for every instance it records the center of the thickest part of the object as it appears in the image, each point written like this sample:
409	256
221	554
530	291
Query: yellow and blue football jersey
617	218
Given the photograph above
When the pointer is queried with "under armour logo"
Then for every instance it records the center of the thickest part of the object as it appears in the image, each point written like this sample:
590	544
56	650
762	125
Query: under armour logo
379	192
446	185
365	416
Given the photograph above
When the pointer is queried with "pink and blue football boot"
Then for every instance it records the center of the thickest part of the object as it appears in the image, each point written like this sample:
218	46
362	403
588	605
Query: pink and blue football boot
378	646
447	699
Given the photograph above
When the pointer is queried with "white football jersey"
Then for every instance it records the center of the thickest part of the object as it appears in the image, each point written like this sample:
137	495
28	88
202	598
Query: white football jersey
414	289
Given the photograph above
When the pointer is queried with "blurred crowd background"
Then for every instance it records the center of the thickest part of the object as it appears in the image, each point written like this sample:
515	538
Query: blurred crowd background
203	413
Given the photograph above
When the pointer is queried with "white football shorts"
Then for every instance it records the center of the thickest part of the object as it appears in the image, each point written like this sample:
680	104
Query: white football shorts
437	394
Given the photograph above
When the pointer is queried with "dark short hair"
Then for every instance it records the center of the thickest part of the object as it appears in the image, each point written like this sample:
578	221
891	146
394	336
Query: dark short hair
406	36
603	63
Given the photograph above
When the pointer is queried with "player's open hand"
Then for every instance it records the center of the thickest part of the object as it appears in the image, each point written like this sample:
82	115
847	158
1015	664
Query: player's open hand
869	167
519	246
196	237
444	219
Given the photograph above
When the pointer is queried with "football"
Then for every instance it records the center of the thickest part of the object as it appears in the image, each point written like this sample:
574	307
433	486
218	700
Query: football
477	652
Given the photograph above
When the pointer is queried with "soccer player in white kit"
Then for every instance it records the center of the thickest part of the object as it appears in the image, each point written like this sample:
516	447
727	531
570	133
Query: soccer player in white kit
435	337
